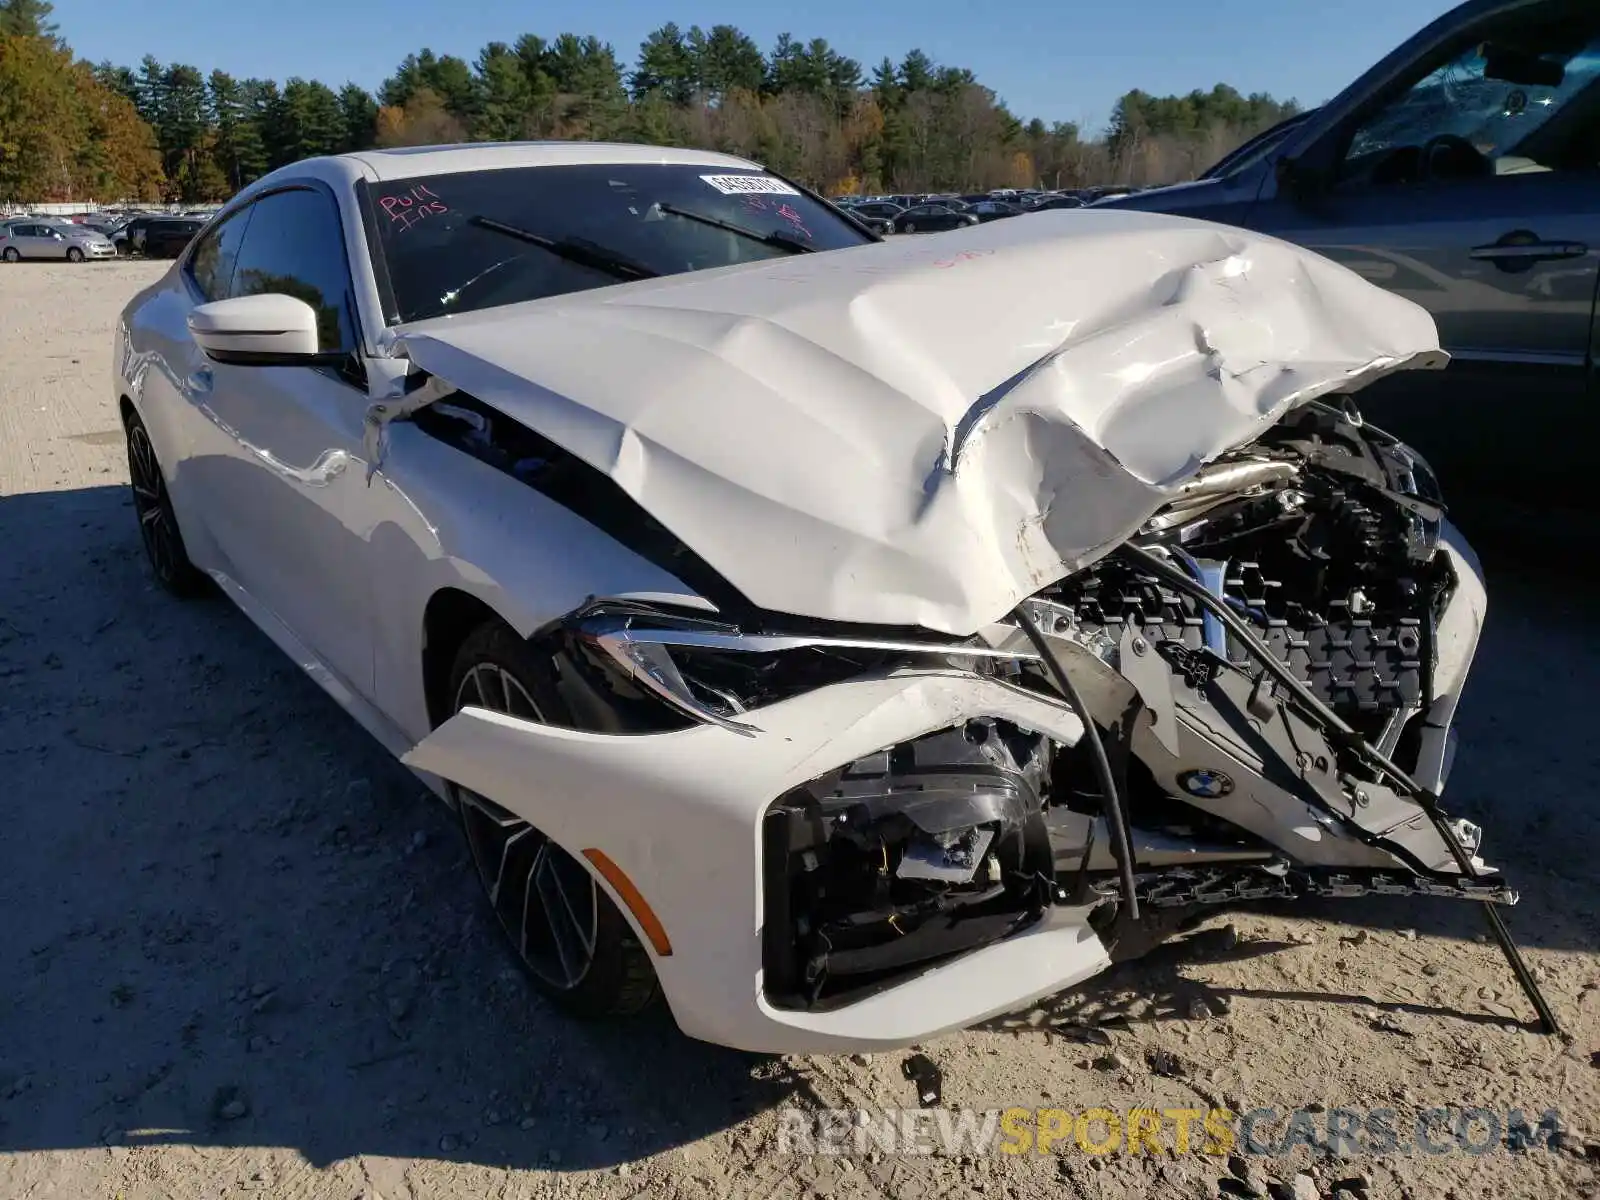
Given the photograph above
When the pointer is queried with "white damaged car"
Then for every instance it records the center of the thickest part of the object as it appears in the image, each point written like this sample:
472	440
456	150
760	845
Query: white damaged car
847	639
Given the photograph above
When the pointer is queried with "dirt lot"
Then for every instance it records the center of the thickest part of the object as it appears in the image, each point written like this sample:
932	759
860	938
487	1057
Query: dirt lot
243	953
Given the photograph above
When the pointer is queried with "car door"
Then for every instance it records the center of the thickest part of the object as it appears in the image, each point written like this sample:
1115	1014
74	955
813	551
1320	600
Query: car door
21	239
1469	186
41	241
279	479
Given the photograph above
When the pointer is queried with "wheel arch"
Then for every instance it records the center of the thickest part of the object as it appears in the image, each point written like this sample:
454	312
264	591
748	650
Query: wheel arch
448	618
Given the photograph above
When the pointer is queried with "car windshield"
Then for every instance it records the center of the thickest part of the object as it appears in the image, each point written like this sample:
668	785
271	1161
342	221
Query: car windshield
478	239
1463	99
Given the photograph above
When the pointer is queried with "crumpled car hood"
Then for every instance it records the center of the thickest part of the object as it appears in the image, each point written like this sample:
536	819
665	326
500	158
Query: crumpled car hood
928	430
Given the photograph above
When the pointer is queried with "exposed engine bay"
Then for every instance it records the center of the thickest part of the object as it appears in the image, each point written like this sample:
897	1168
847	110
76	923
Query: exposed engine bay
1324	541
1324	538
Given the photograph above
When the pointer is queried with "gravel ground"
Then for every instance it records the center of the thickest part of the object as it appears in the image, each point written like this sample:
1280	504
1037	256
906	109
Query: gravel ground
243	953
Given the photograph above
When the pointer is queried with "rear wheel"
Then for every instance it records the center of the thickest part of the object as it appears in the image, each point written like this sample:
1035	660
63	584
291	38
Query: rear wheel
574	942
74	254
12	254
158	523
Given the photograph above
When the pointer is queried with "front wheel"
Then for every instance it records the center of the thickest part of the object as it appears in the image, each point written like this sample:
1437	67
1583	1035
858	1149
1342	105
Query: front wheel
574	942
158	522
911	227
74	254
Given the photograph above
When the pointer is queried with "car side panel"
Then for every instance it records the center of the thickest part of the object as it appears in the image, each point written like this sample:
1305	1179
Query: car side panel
461	524
154	348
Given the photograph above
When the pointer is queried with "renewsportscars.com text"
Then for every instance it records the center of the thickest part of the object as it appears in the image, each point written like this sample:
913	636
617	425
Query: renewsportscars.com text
1215	1131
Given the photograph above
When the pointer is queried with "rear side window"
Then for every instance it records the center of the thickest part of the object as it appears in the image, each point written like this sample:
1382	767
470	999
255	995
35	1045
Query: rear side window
295	246
211	265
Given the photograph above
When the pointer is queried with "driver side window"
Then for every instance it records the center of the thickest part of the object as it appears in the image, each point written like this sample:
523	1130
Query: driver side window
294	244
1522	100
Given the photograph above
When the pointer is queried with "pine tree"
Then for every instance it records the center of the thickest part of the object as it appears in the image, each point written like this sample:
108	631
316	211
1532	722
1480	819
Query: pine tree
27	18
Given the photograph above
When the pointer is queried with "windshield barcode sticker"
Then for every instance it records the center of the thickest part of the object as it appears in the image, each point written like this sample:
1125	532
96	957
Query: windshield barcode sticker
744	185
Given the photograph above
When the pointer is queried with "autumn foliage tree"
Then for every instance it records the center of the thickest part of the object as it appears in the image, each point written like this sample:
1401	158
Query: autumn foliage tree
63	135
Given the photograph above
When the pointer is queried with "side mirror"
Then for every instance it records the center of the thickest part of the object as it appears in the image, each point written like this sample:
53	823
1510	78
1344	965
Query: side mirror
271	330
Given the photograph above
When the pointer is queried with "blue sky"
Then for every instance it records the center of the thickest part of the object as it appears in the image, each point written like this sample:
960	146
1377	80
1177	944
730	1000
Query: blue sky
1056	59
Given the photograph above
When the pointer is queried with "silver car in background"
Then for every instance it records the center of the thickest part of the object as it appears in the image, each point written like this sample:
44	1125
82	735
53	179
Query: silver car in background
32	238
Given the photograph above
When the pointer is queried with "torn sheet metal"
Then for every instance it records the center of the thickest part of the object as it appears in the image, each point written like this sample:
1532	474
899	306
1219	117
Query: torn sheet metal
396	404
927	430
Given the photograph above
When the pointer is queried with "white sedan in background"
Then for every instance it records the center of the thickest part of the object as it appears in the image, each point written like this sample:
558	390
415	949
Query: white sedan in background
790	643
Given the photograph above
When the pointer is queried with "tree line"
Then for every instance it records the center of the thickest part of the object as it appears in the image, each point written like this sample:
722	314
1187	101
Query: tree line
168	131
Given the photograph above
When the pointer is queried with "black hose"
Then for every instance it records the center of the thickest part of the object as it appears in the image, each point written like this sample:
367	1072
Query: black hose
1111	799
1353	741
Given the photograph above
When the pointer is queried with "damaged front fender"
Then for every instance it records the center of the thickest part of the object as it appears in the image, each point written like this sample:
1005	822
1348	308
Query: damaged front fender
680	813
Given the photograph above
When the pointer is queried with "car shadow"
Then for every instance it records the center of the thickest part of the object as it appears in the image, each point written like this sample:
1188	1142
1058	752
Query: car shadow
235	921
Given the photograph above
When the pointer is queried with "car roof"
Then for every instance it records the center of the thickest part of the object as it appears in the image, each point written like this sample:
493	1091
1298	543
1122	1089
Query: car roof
401	163
379	166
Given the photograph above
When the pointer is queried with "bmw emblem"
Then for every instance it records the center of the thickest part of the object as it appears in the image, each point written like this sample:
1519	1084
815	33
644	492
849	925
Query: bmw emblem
1207	785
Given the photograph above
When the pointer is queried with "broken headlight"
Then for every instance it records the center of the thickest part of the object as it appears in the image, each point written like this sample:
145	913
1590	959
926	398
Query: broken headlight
714	672
902	859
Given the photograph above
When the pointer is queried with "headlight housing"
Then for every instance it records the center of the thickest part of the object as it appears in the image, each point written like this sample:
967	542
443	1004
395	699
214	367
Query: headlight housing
714	672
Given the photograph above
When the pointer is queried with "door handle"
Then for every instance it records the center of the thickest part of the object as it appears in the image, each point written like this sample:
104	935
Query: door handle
1526	250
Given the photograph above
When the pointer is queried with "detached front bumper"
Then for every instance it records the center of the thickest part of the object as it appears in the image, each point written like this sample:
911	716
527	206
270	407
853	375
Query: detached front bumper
680	813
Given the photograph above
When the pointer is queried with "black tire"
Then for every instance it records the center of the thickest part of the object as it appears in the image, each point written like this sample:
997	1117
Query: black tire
74	255
911	227
12	254
617	979
158	523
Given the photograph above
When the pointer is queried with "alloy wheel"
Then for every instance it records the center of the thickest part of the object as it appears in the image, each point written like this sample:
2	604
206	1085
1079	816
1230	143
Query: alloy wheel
545	899
158	525
12	254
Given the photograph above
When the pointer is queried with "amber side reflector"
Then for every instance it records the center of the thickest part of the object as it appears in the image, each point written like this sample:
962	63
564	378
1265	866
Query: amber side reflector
637	905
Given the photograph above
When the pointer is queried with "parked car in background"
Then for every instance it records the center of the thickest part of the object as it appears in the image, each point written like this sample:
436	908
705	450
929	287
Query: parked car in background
1090	195
932	218
993	210
876	215
166	238
1460	172
1049	202
878	225
129	238
36	239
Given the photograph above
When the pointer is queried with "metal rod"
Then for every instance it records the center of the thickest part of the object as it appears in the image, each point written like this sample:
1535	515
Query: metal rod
1116	820
1426	800
1513	956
